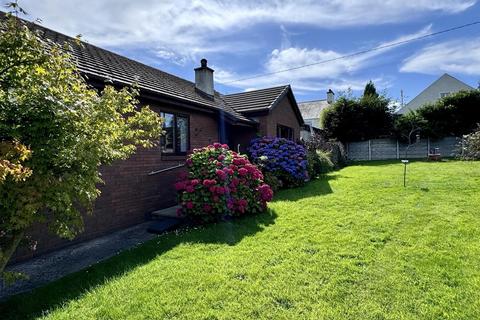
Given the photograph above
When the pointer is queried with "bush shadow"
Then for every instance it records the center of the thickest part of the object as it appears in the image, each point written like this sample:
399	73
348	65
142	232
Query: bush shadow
55	294
314	188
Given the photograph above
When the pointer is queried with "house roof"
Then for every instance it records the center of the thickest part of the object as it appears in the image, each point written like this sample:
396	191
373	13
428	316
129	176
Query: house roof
97	62
255	100
312	109
262	100
445	83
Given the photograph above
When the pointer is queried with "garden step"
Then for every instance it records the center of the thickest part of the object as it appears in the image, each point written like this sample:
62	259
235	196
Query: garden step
164	224
167	212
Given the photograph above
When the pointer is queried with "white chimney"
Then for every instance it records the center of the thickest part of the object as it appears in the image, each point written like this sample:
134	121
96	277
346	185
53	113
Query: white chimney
204	78
330	96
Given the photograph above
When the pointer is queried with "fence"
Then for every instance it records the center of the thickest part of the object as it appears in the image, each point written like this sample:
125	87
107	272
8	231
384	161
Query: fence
384	149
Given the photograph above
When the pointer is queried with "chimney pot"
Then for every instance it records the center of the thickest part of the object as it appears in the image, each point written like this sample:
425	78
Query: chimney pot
203	63
330	96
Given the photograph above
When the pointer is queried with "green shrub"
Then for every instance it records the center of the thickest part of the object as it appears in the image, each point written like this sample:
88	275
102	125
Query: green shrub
470	148
273	181
221	182
334	149
285	158
319	163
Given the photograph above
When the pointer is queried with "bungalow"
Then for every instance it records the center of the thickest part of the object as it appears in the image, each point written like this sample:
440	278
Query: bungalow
195	115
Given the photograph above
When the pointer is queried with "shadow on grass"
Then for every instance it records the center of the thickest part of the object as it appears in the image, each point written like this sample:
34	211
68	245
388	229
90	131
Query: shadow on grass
377	163
53	295
314	188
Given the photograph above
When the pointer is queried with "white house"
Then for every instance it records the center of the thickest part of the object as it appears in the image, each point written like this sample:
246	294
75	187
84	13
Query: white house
443	86
311	112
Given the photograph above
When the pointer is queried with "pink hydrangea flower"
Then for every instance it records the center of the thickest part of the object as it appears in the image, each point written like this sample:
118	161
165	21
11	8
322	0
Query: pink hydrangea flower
189	205
221	174
242	171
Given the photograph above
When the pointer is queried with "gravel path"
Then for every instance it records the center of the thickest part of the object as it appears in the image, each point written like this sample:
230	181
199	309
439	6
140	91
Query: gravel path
52	266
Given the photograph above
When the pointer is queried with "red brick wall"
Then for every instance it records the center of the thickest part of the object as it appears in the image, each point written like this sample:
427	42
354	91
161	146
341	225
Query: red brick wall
129	193
281	114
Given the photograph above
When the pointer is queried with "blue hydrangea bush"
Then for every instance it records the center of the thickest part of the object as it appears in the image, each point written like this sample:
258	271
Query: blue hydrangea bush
284	158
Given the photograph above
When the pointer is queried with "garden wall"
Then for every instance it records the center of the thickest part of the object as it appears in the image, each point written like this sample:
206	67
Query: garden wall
384	149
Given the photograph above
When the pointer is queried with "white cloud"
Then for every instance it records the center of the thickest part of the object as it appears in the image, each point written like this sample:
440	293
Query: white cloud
188	28
340	74
461	56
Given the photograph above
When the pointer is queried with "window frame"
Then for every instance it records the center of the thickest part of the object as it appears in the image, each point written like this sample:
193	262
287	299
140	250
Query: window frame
290	130
176	146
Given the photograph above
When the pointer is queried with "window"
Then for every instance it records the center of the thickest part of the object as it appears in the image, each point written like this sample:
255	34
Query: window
444	94
284	132
177	134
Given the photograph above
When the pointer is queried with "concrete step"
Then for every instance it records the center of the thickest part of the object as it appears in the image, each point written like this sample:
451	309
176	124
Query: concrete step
164	224
167	212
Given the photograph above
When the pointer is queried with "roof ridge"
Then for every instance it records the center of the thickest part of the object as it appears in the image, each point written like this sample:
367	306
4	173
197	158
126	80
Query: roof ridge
312	100
256	90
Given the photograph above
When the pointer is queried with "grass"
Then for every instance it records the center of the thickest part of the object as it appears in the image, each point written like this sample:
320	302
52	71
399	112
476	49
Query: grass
355	245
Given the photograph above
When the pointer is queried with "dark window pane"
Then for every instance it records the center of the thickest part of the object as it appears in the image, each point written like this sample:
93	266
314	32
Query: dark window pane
284	132
182	134
168	142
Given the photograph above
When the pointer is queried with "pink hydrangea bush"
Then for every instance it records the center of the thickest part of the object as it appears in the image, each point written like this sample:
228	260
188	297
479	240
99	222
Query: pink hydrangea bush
221	182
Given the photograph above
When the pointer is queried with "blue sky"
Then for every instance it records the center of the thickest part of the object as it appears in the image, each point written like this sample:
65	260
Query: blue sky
245	38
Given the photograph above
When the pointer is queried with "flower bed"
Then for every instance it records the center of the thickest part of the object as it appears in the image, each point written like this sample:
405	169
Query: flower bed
221	182
284	158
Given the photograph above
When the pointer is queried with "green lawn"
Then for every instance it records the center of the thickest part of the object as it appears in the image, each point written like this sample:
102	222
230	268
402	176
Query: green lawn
355	245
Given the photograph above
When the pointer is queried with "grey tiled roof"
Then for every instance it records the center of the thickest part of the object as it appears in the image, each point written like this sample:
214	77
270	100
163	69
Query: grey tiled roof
256	100
94	61
312	109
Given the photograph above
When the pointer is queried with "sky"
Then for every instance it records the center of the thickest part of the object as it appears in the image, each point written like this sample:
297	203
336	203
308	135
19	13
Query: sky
241	39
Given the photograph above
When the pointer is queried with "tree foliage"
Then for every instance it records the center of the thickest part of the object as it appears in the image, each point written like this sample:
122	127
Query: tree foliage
454	115
55	133
370	90
351	119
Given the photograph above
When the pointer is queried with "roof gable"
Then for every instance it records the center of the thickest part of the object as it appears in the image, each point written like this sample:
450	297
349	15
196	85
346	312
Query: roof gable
313	109
262	100
445	83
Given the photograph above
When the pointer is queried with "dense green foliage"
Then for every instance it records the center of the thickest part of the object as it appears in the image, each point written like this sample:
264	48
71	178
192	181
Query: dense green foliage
319	163
351	119
369	117
68	131
470	146
220	182
370	90
330	152
454	115
356	245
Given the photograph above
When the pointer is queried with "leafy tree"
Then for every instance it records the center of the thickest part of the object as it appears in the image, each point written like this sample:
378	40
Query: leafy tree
370	90
454	115
55	133
408	123
350	119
